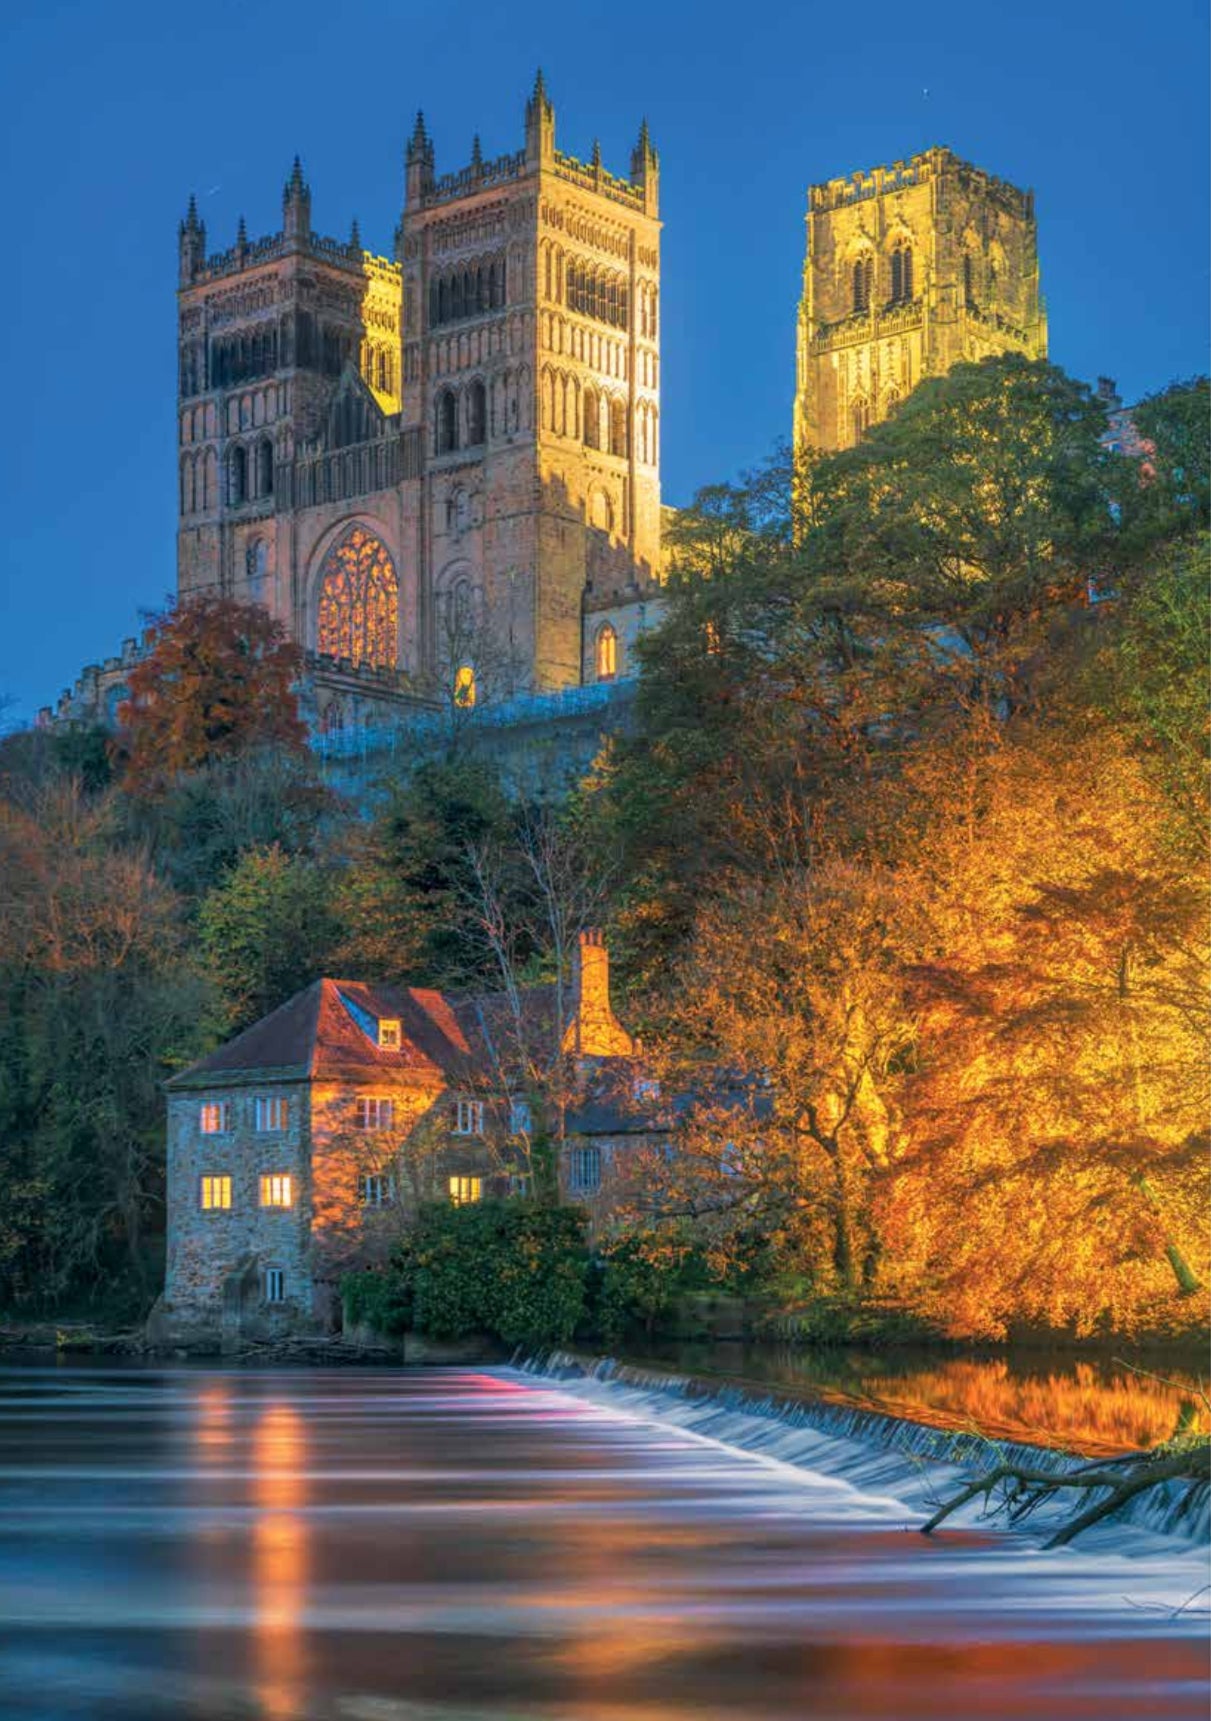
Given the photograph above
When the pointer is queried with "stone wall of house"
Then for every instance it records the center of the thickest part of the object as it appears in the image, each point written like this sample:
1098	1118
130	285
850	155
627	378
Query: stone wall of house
217	1260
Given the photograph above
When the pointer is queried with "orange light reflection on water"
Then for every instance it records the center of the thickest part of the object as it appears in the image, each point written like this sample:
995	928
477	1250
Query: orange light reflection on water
279	1561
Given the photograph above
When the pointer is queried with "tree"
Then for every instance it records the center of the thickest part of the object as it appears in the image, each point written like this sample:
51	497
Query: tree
218	680
983	502
1174	496
267	930
97	1006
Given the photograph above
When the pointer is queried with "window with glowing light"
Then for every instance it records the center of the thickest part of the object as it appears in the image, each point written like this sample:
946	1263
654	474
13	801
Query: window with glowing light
389	1033
469	1117
374	1112
464	686
465	1190
216	1193
215	1117
272	1115
359	602
277	1190
607	653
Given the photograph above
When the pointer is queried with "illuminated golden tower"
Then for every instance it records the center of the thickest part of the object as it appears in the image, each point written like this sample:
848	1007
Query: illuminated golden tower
910	269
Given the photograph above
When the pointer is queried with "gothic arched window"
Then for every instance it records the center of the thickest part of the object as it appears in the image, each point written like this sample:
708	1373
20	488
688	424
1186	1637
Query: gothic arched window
447	422
237	476
618	428
901	274
464	686
863	276
969	281
592	419
477	414
606	654
358	612
264	467
859	418
256	558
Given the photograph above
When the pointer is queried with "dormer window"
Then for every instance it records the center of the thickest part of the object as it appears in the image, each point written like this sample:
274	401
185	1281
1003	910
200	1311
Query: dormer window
389	1034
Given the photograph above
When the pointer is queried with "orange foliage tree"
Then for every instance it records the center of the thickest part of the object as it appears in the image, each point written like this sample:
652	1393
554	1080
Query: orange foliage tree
217	681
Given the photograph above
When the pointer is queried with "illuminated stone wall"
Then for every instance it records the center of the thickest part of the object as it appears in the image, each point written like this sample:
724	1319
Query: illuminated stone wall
909	270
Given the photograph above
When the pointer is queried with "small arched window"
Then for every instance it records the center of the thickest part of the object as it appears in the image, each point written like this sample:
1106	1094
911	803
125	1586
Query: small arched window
863	276
477	414
618	428
237	476
264	467
256	558
859	418
464	686
447	422
969	281
592	419
606	654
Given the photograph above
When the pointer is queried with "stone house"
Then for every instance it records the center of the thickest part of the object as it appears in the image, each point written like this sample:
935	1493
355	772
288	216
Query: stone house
297	1149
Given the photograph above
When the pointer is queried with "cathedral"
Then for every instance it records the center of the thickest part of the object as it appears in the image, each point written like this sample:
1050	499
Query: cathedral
438	470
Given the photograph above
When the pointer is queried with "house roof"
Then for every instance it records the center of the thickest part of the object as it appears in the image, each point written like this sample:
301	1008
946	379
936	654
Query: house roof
328	1031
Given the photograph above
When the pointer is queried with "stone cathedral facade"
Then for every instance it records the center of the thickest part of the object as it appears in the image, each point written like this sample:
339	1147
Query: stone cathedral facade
909	270
439	470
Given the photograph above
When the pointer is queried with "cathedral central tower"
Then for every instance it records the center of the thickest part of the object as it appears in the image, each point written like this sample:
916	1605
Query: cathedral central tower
910	269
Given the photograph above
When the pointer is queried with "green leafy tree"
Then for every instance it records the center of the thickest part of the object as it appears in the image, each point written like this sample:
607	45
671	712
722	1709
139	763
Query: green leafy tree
267	930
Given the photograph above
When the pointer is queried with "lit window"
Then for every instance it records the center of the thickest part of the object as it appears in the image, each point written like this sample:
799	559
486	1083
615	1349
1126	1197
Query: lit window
464	686
216	1194
388	1034
216	1117
271	1115
277	1190
373	1113
275	1285
469	1117
376	1189
465	1190
359	602
607	653
584	1170
520	1120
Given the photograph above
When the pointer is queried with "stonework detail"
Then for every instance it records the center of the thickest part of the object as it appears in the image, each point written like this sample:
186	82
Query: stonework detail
910	269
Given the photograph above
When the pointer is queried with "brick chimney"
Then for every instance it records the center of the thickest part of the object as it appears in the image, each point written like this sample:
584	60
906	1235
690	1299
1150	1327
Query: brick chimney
593	1031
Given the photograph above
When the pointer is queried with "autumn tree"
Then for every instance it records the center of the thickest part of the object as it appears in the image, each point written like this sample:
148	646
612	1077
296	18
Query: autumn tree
218	679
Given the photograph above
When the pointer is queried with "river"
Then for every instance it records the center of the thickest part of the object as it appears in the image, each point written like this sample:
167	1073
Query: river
459	1545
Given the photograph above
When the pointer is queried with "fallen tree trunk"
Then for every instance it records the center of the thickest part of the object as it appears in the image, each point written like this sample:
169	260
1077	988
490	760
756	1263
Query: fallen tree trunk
1113	1482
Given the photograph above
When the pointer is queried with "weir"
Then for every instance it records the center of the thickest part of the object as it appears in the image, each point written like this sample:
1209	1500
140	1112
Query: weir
872	1451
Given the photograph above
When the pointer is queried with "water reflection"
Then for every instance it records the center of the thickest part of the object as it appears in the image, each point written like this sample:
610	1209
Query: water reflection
279	1559
447	1546
1094	1407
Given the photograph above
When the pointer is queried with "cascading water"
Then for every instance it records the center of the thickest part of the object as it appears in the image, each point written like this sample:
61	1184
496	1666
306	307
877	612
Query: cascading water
872	1451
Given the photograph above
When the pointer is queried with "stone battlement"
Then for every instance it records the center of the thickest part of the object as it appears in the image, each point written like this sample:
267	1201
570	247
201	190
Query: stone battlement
917	170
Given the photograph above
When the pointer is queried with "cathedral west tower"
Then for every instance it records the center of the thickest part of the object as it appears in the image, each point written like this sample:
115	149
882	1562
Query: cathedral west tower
426	466
910	269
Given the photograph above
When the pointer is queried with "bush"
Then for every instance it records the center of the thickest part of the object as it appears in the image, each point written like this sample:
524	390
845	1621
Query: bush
376	1300
640	1276
510	1269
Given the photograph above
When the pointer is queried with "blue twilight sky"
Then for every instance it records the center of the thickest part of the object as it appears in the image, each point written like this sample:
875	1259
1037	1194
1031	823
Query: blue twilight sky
116	109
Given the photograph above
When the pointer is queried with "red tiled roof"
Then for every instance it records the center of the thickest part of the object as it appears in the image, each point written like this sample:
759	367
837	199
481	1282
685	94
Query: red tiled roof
316	1035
